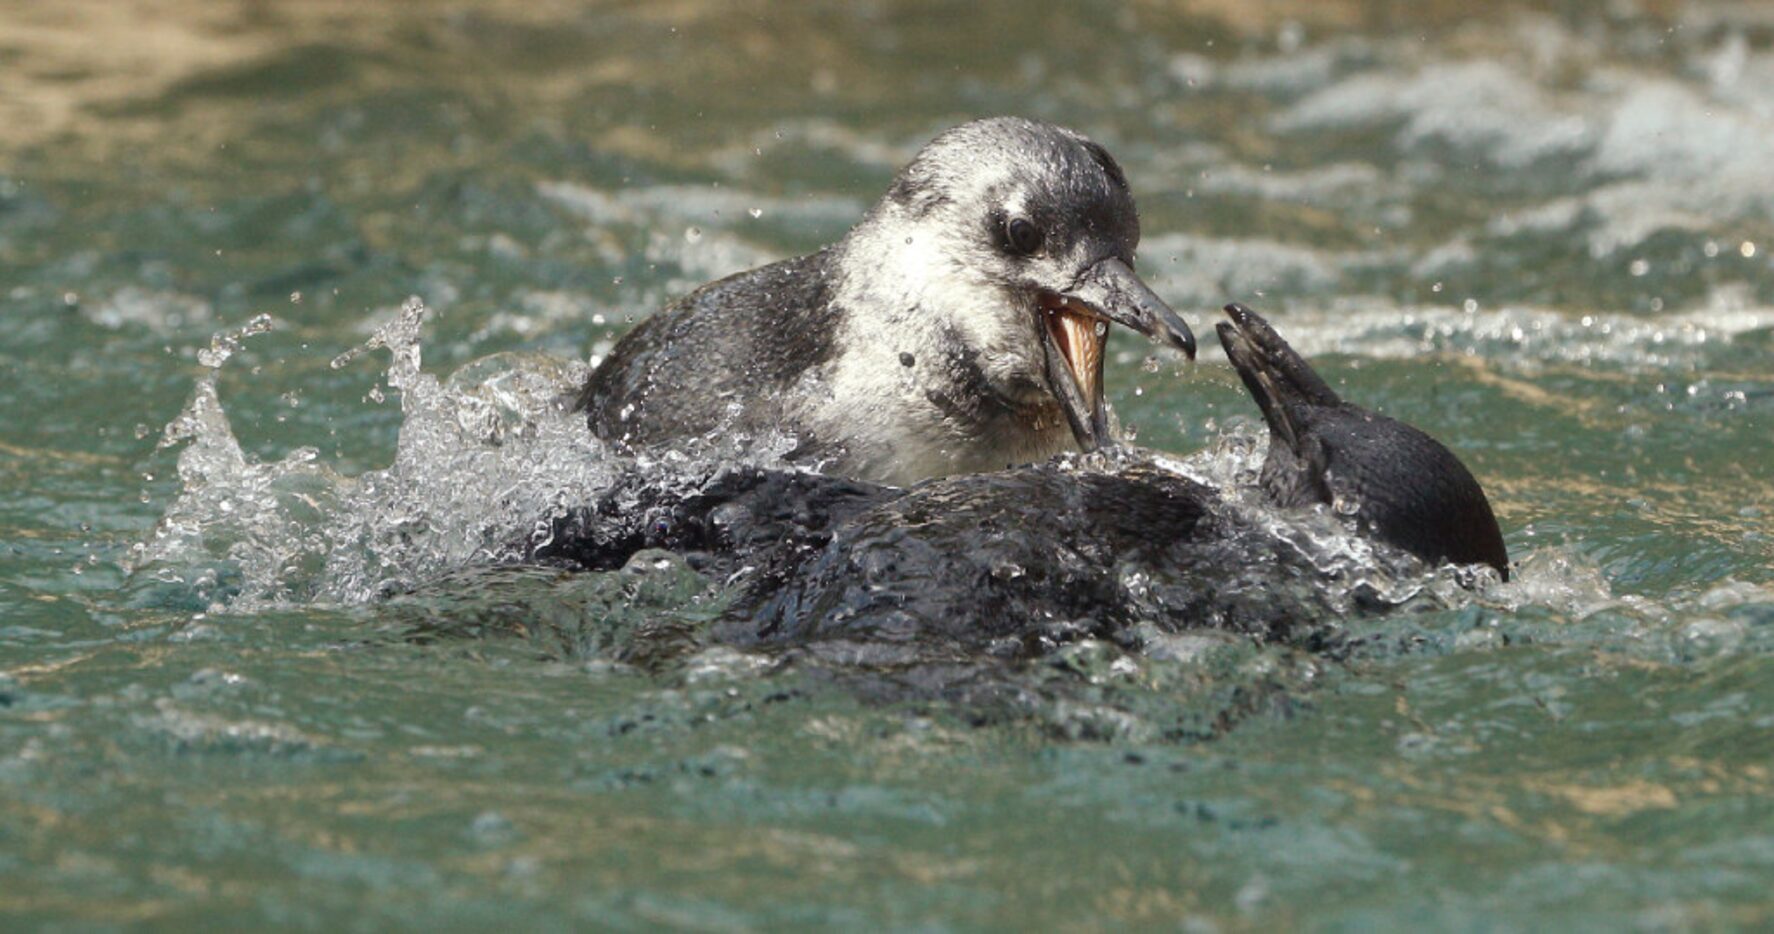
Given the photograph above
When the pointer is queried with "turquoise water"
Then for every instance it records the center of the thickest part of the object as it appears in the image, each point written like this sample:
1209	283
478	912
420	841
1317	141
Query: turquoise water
1542	234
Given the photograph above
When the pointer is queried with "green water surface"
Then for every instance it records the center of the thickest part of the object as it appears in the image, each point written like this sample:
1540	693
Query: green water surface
1541	232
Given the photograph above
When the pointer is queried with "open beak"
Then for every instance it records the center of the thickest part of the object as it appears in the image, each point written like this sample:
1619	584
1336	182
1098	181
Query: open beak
1075	326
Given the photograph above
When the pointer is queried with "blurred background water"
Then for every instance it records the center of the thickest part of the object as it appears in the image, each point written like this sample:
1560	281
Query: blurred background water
1543	232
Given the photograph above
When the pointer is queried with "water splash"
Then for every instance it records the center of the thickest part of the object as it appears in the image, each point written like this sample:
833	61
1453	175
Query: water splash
480	459
484	463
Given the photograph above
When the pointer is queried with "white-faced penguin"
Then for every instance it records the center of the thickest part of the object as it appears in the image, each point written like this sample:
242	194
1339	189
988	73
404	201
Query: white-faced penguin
959	327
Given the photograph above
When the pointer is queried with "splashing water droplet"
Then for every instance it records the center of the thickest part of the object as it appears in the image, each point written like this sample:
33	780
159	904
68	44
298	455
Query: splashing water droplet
224	345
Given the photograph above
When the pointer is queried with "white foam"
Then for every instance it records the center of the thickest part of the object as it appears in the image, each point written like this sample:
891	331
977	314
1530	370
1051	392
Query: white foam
479	460
1193	270
1481	107
1372	327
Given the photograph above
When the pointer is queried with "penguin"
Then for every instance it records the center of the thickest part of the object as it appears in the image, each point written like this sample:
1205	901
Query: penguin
1398	485
958	327
1012	562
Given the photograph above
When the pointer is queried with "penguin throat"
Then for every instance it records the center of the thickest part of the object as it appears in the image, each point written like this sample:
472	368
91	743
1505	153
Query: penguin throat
1078	333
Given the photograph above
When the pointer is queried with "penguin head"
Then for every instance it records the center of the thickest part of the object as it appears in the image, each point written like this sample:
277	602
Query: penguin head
1022	237
1394	482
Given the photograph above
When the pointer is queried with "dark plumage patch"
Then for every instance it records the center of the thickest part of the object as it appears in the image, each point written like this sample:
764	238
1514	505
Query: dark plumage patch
746	336
803	333
739	510
916	192
966	395
1109	166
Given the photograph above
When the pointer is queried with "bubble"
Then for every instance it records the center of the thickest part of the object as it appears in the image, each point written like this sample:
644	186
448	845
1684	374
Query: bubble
693	235
755	212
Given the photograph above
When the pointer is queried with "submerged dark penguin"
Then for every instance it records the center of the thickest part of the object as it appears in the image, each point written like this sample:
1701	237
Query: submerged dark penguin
1397	484
964	570
958	327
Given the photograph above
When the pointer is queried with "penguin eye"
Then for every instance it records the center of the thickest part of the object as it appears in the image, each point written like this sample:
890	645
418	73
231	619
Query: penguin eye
1022	236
